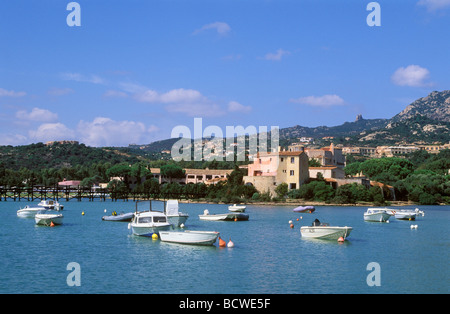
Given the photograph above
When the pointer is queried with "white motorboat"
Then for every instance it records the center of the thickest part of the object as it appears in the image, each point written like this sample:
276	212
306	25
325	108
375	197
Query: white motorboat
175	217
408	214
377	215
405	214
48	217
190	237
28	212
149	222
325	231
237	208
223	217
51	204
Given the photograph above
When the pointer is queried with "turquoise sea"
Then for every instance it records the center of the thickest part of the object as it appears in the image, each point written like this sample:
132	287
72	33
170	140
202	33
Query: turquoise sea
268	257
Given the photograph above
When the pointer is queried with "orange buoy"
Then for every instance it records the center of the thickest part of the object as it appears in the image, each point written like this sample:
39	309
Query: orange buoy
292	226
235	219
222	243
341	239
52	224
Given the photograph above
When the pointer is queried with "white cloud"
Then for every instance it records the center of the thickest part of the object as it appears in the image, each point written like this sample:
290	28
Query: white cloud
107	132
77	77
221	28
320	101
412	75
51	132
187	101
234	106
11	93
434	5
182	95
277	55
37	114
13	139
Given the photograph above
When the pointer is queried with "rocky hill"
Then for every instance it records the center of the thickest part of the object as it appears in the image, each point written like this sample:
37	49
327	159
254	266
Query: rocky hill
426	120
435	106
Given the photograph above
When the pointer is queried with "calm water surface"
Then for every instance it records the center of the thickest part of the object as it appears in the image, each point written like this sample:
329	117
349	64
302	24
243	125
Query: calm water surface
268	257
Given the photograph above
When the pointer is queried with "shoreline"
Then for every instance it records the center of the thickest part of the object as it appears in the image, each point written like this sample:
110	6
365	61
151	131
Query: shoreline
312	203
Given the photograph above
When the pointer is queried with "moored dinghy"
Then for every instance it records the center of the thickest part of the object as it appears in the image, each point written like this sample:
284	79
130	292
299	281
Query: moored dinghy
377	215
325	231
28	212
190	237
48	218
237	208
119	217
223	217
304	209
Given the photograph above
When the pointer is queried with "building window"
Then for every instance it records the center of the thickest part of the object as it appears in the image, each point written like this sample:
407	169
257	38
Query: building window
292	186
282	159
292	160
291	172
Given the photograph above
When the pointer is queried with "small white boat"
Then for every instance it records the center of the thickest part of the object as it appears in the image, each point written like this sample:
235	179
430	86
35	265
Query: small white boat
408	214
377	215
237	208
223	217
190	237
304	209
405	214
48	217
51	204
119	217
149	222
175	217
325	231
28	212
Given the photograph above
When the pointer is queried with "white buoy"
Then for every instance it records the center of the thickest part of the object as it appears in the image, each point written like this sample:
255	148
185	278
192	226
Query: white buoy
290	221
182	226
230	244
105	210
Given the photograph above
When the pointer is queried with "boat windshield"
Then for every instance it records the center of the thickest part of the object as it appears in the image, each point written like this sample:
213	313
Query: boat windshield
145	220
159	219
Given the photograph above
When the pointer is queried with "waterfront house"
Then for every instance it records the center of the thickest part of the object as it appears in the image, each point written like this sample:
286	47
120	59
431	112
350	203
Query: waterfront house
268	170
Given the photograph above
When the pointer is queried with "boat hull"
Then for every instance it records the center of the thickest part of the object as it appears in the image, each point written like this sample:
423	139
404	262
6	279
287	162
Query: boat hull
28	212
325	232
123	217
48	219
405	216
190	237
225	217
377	217
237	209
147	230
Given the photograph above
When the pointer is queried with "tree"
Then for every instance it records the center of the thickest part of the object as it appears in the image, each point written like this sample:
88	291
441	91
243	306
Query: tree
172	171
282	190
235	177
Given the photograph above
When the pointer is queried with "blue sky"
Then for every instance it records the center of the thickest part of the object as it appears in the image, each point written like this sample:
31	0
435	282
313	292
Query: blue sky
135	69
